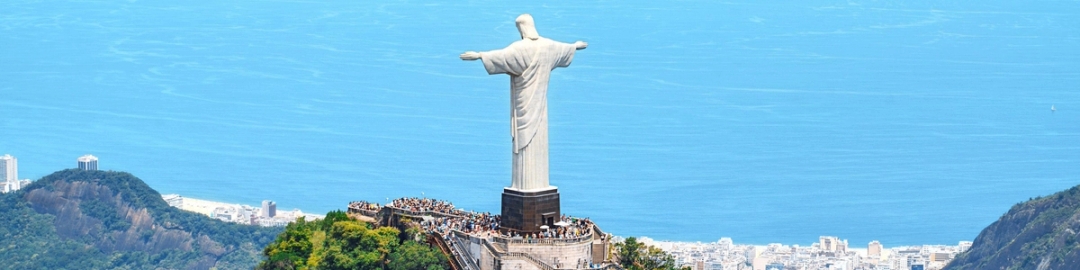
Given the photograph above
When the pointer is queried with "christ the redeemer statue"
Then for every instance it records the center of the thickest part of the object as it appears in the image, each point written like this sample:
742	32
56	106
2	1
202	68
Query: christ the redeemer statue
529	63
530	202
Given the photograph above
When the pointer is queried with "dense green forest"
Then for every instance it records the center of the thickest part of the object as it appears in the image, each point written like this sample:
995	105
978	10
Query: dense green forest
76	219
341	242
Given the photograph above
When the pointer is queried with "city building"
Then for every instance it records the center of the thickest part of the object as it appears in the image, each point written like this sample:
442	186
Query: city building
269	209
874	249
237	213
173	200
9	169
832	244
724	255
965	245
9	174
940	257
88	163
774	266
9	186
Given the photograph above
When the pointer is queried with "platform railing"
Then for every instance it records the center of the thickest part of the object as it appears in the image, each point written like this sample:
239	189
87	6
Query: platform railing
548	241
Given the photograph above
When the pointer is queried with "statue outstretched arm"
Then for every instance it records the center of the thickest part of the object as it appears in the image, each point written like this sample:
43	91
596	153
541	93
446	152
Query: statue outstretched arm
470	56
580	45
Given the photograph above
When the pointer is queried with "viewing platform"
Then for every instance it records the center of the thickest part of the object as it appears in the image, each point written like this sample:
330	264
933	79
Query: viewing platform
475	240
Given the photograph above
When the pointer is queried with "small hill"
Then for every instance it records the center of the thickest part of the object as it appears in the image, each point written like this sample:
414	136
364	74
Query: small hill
76	219
1038	234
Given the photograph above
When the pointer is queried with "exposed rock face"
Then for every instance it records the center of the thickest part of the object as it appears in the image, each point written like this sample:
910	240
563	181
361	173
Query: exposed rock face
1037	234
140	235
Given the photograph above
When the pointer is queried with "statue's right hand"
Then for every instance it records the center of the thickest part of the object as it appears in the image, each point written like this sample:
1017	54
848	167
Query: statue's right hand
470	55
581	45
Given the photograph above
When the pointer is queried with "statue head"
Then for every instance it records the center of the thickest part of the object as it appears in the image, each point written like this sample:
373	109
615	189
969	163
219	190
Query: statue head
526	27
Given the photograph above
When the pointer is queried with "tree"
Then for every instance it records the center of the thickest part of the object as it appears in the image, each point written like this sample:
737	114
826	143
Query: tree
629	252
634	255
341	242
412	255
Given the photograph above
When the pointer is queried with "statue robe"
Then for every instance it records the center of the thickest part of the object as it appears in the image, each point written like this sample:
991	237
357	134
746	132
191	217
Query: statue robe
529	64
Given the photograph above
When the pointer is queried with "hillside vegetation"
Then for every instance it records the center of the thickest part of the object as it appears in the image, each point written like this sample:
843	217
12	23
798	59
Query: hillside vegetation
341	242
1038	234
634	255
75	219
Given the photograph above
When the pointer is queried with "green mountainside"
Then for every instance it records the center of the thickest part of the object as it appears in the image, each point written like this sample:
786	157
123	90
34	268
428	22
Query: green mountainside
75	219
342	242
1038	234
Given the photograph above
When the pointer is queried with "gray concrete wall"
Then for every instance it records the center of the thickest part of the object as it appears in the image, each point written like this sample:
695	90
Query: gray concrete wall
518	265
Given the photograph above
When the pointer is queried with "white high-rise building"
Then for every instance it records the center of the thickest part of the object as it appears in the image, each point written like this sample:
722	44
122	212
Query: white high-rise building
9	169
88	163
269	209
9	174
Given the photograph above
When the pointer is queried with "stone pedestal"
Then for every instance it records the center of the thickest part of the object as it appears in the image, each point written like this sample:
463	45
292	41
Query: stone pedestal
524	211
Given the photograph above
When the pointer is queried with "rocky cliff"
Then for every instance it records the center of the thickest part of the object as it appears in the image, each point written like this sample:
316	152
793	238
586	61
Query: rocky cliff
1038	234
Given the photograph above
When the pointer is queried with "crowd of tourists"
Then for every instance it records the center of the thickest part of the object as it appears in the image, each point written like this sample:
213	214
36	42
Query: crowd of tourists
426	205
575	228
486	225
364	205
567	228
480	224
471	223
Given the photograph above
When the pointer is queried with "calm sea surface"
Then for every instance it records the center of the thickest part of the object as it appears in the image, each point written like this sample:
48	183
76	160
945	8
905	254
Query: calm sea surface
909	123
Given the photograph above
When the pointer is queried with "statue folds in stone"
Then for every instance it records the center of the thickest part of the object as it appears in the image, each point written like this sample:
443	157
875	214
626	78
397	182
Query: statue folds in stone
530	202
529	63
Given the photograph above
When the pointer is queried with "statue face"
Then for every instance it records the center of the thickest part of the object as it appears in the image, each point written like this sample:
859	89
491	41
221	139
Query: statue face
526	27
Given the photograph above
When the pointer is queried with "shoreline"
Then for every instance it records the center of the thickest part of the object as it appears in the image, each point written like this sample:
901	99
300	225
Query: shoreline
239	213
725	252
206	207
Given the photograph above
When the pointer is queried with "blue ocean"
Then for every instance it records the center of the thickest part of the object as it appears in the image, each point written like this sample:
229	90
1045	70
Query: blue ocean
907	122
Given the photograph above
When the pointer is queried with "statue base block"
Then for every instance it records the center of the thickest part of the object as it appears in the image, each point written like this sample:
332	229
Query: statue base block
525	211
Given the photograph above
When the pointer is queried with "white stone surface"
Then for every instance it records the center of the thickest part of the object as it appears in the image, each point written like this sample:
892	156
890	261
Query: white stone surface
558	255
529	63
